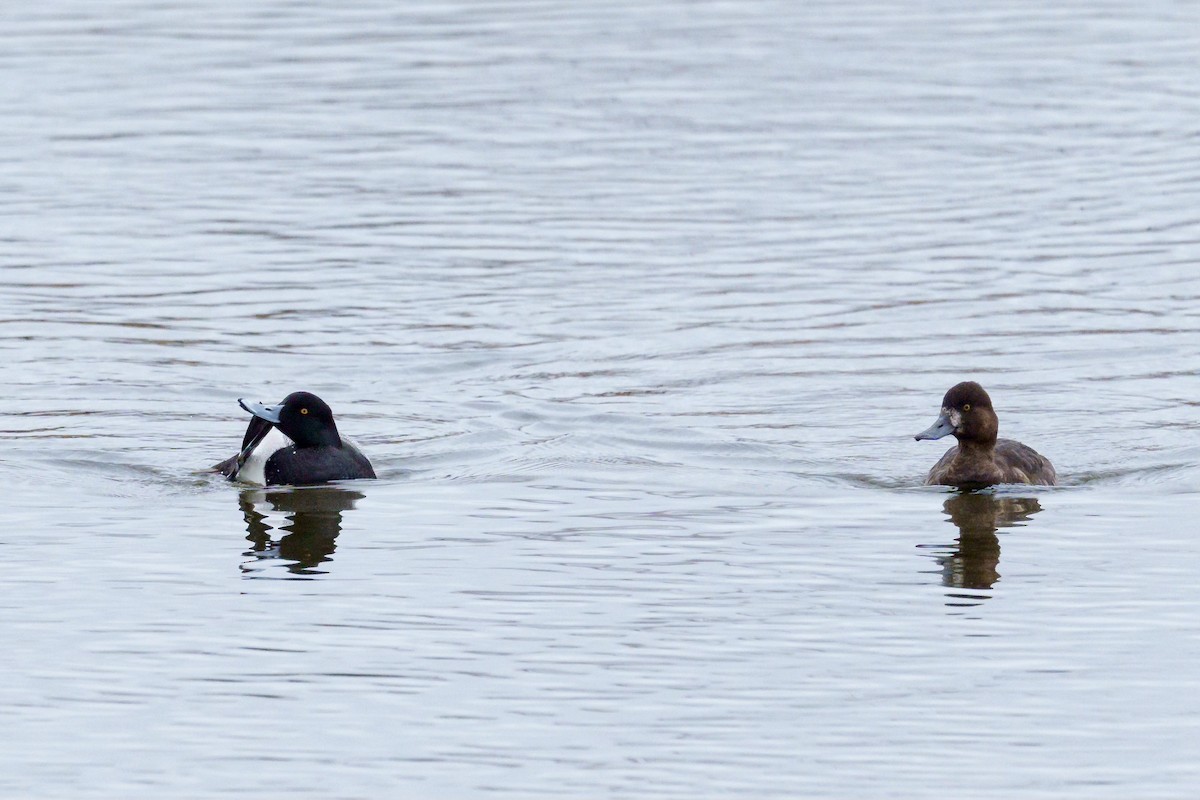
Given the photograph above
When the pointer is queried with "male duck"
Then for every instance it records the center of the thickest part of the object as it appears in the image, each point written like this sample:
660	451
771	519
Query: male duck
980	459
295	443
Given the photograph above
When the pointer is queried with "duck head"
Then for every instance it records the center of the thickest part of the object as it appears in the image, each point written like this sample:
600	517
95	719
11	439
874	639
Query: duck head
966	414
302	416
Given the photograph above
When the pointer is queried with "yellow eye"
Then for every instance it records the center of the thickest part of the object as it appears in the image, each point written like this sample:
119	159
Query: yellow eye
304	411
966	407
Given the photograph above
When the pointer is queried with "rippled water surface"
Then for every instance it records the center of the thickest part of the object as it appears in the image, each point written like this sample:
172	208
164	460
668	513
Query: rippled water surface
636	308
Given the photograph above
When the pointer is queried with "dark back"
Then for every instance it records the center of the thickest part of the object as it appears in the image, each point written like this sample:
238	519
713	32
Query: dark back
305	466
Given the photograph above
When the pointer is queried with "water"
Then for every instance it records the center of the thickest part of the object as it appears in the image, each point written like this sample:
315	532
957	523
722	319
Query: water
636	308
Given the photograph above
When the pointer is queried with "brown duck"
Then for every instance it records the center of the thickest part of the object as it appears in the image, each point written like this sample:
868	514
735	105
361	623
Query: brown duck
980	459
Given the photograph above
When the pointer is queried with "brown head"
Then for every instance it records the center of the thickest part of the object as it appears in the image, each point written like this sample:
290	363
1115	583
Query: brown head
967	414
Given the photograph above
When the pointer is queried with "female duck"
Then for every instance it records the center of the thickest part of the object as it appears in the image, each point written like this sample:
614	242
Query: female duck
294	443
980	459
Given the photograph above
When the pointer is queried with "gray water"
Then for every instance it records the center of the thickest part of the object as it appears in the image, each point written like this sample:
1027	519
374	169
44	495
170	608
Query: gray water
636	308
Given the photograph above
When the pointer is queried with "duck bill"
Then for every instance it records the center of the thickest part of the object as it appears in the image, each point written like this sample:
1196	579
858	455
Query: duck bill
269	413
943	427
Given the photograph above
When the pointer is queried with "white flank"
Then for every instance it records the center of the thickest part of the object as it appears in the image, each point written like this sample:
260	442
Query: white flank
254	469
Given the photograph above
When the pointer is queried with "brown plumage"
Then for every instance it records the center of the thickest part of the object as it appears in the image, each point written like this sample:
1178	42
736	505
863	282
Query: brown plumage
980	458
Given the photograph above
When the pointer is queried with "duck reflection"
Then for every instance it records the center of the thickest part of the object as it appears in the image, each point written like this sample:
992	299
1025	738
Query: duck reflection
971	561
311	524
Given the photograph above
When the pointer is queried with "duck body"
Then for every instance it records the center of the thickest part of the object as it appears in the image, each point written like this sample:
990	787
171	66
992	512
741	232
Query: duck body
278	461
980	458
1008	462
294	443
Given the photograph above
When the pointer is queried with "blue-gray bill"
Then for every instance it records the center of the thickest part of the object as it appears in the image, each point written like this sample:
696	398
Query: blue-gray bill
943	427
269	413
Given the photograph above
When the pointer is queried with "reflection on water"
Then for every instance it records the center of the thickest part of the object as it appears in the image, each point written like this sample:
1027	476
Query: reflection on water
971	561
312	522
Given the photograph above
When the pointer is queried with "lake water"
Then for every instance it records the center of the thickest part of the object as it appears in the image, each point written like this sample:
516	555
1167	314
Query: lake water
635	307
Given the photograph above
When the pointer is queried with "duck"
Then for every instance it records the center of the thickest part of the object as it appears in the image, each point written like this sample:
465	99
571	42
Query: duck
980	459
294	443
